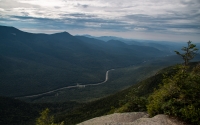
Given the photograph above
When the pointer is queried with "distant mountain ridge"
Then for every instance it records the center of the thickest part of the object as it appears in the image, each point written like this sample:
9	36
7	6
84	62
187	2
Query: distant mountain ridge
34	63
106	38
166	46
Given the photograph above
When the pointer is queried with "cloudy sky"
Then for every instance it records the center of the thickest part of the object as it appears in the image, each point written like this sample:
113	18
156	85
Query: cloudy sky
168	20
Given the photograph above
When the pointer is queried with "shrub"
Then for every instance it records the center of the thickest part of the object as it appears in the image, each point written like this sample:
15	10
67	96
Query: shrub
178	96
133	103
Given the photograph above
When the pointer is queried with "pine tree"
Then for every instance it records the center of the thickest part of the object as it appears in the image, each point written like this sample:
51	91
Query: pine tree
189	52
46	119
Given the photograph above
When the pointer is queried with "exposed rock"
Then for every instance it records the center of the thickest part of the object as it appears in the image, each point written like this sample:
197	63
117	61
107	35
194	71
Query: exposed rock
157	120
116	119
133	118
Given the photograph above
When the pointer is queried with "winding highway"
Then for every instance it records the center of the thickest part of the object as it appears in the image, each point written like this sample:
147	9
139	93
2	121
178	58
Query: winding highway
76	86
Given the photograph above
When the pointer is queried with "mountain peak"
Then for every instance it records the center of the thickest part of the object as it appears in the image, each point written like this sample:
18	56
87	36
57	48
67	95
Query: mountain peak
6	29
62	33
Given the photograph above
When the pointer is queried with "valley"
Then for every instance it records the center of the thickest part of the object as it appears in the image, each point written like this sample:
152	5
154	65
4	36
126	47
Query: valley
35	63
119	79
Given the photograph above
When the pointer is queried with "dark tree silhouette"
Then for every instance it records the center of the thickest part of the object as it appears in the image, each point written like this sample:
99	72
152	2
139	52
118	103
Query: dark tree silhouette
189	52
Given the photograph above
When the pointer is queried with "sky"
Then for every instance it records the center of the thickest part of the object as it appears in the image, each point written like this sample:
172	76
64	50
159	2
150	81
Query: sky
162	20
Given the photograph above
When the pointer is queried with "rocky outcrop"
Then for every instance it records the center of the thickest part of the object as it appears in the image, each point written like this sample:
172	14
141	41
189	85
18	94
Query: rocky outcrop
133	118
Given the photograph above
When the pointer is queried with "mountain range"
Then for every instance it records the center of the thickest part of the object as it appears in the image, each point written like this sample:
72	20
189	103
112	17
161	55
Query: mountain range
34	63
167	46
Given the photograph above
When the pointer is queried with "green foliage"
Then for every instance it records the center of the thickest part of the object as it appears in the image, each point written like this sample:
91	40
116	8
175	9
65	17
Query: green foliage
46	119
178	96
189	52
191	113
133	103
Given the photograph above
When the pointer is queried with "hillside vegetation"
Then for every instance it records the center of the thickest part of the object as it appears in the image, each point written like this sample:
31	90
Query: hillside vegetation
180	93
179	96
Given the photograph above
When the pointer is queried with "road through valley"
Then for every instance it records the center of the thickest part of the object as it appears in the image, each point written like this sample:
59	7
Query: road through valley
67	87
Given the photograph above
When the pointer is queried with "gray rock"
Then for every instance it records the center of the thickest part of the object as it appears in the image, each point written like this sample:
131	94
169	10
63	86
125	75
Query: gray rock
133	118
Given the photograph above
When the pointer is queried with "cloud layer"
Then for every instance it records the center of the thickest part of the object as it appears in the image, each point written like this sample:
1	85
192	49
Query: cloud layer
138	18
